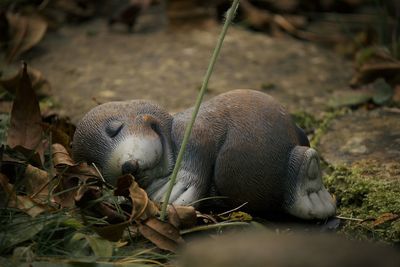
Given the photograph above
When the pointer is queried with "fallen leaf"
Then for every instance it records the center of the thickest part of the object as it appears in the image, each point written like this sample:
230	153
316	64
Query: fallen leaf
349	98
25	129
61	157
374	63
61	128
386	217
379	92
112	232
25	33
142	207
23	203
73	179
39	83
162	234
129	14
35	182
182	217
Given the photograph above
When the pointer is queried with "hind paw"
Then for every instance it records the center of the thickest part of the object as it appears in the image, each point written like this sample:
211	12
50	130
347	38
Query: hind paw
315	205
311	199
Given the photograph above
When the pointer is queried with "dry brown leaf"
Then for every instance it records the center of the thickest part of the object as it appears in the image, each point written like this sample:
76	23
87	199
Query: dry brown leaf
113	232
23	203
25	32
61	157
371	71
386	217
25	123
73	179
129	14
142	207
36	181
162	234
39	83
182	217
61	129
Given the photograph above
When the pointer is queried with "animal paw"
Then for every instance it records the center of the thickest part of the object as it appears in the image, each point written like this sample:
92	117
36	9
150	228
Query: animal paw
311	200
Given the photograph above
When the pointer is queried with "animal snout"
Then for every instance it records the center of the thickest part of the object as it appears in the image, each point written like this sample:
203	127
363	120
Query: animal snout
130	166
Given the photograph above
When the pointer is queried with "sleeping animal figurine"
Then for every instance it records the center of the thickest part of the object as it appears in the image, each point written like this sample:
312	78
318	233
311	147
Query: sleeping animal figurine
244	146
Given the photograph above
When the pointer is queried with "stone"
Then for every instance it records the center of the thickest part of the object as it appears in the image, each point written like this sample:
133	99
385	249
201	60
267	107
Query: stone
363	135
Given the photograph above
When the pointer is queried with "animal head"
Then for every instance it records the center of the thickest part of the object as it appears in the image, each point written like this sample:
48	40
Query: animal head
126	137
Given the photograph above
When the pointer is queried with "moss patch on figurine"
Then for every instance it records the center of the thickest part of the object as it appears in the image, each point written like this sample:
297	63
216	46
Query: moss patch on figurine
368	198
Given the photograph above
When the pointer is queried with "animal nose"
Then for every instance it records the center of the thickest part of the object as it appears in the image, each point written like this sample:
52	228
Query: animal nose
130	166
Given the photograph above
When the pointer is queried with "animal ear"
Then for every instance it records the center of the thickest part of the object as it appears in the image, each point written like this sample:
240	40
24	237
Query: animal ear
148	121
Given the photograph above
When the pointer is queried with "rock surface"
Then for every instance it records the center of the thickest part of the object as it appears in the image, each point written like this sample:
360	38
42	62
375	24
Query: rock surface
361	135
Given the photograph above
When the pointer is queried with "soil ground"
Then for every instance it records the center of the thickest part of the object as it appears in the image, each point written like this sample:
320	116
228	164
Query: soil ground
90	63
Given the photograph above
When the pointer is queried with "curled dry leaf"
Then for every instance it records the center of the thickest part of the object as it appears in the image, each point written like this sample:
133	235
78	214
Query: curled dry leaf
25	129
73	179
24	33
142	207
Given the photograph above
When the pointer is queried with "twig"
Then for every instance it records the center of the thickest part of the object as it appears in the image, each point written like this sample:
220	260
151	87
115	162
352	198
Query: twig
188	130
349	218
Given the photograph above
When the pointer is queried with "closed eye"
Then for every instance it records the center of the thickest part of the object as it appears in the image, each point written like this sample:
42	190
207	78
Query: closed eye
114	128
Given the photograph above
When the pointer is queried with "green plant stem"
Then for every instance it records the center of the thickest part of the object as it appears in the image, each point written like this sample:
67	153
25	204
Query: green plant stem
188	130
212	226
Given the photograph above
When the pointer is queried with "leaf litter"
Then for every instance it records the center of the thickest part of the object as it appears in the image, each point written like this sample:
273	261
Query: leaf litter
52	198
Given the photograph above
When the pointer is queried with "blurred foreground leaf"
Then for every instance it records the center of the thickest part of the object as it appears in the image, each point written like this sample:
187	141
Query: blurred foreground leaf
25	131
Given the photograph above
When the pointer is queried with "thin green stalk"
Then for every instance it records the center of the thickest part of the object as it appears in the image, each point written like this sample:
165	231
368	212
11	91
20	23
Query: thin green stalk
212	226
230	15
